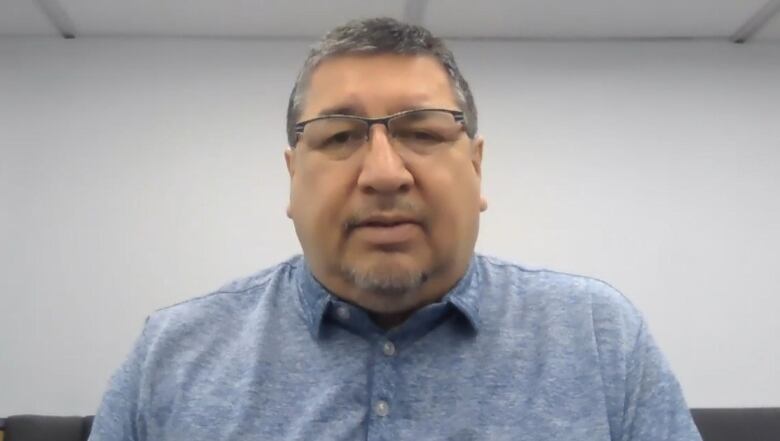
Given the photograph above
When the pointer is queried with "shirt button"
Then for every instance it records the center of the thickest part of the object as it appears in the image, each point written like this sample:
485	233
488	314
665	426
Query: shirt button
388	348
382	408
343	313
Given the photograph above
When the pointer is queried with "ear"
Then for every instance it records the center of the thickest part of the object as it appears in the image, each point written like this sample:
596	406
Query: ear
289	159
476	154
476	159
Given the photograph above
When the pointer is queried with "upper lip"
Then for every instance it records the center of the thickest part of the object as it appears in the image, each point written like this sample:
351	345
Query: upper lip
386	220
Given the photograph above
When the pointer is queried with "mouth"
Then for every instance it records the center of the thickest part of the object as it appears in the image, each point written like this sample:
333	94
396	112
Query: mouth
384	224
384	220
386	230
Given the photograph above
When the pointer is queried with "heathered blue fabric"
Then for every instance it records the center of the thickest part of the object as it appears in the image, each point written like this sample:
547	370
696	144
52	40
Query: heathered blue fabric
509	354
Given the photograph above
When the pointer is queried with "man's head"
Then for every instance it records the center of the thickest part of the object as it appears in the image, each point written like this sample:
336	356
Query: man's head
386	209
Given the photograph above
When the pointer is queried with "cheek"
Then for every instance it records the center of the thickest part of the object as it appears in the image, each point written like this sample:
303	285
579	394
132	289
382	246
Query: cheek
454	185
453	198
317	202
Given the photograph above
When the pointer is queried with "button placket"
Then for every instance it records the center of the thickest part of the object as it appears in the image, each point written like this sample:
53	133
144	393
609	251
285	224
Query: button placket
383	387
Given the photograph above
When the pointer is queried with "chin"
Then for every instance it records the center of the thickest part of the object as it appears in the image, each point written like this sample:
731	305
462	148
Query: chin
388	274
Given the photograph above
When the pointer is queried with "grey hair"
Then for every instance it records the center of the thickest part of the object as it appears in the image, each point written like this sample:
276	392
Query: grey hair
379	36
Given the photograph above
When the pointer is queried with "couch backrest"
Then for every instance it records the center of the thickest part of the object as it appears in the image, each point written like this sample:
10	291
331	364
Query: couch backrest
46	428
738	424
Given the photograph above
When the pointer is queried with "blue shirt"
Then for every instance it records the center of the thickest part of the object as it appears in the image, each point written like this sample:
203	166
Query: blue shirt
508	354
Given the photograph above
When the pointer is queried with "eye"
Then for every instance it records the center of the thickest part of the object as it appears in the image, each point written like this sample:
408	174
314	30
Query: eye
423	136
342	138
339	137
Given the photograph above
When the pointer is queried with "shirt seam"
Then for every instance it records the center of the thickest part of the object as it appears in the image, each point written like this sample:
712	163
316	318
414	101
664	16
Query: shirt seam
501	263
259	284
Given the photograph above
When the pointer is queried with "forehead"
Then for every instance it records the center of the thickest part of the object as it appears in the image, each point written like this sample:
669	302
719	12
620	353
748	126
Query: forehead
374	85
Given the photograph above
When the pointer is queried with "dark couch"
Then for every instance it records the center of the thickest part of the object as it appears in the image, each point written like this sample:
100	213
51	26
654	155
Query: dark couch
760	424
739	424
46	428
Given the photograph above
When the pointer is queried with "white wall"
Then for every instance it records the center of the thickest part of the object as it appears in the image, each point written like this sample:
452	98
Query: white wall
138	173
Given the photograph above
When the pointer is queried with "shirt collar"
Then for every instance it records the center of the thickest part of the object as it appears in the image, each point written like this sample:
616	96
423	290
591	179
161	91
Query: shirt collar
315	298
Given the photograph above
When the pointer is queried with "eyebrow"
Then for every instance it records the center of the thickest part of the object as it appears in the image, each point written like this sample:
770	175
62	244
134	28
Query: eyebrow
340	110
355	111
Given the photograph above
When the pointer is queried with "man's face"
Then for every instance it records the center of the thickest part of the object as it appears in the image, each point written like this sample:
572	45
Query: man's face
387	228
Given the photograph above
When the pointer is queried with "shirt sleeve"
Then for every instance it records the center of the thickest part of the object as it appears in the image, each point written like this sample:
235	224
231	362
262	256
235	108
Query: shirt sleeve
655	409
118	417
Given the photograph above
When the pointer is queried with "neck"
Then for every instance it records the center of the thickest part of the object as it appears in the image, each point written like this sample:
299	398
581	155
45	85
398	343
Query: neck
389	310
390	321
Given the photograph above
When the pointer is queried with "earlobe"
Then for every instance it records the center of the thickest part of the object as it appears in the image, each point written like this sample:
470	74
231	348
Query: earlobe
482	204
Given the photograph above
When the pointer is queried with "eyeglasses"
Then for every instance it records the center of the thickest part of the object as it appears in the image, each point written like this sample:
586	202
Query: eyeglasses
419	130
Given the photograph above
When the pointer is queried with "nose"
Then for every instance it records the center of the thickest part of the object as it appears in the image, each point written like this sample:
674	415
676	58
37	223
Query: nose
383	170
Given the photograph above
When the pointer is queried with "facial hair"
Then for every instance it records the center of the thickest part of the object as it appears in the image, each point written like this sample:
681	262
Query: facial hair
383	281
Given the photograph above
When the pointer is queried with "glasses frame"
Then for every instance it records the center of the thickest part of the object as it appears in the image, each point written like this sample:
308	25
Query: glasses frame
384	120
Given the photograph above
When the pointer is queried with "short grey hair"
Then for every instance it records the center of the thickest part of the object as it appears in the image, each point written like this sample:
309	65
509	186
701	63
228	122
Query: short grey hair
380	36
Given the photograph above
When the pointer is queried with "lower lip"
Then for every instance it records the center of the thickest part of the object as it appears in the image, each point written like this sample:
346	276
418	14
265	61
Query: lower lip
388	235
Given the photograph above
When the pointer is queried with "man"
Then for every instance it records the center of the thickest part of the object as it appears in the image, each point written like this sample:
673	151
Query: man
390	327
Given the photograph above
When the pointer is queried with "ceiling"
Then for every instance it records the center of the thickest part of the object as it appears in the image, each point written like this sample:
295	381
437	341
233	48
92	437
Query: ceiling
755	20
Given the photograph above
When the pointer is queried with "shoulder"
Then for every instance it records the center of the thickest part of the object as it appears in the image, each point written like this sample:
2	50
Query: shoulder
227	305
561	297
525	280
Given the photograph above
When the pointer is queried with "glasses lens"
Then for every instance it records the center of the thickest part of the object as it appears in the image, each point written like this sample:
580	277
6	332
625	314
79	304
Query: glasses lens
337	137
424	130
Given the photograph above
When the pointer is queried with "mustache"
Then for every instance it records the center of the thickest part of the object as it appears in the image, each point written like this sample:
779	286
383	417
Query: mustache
387	207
